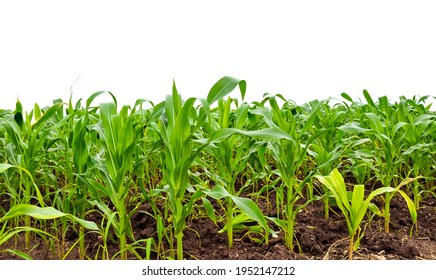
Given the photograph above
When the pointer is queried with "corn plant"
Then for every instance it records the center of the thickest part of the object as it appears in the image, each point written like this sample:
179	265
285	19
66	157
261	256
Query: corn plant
353	205
182	160
420	151
230	159
177	127
328	149
289	153
33	211
27	144
116	132
225	186
79	142
387	138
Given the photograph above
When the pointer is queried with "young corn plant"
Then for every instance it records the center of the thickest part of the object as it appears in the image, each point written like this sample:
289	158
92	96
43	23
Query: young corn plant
179	130
80	140
27	146
249	210
352	204
116	133
230	159
289	153
176	128
387	138
164	161
420	151
34	211
329	148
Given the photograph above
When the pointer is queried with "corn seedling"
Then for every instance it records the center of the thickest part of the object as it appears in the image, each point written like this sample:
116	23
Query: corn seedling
354	206
116	132
289	153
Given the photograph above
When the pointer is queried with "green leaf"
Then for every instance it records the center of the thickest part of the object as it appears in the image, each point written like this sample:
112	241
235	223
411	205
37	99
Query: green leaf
357	219
410	205
20	254
248	207
95	95
45	213
18	114
339	188
5	236
80	152
353	127
48	114
283	124
354	212
4	167
357	201
369	99
36	111
267	134
209	209
217	192
237	220
373	208
375	123
107	212
346	96
223	87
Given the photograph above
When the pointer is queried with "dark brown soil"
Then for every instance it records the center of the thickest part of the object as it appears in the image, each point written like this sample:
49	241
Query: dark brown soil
317	238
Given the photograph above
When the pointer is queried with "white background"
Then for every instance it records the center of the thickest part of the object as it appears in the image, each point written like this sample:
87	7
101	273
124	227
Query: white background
301	49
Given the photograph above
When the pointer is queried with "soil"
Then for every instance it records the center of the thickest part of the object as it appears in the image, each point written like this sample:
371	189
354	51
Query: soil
317	238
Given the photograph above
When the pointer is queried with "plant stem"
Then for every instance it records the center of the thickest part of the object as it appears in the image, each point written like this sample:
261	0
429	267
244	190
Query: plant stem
179	239
229	203
289	234
326	205
350	248
122	233
172	254
63	233
82	242
290	230
386	212
27	218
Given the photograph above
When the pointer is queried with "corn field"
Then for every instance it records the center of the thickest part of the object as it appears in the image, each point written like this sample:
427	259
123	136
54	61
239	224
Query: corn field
77	178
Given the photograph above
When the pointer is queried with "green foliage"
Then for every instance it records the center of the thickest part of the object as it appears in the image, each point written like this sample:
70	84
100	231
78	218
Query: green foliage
352	204
44	213
216	157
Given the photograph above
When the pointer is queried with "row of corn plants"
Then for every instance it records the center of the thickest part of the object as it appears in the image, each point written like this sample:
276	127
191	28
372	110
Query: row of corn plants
88	167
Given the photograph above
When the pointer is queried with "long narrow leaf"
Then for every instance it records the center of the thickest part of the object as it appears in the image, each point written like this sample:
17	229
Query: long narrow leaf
44	213
224	86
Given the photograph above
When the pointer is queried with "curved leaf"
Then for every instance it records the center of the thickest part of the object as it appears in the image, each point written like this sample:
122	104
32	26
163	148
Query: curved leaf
410	205
224	86
44	213
346	97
